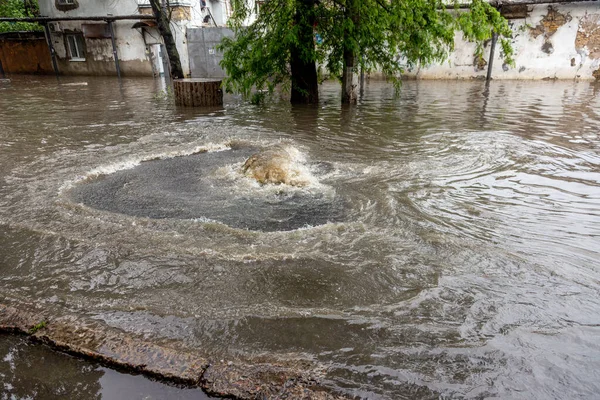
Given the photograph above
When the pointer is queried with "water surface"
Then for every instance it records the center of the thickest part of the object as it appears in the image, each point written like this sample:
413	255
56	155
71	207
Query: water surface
457	253
34	371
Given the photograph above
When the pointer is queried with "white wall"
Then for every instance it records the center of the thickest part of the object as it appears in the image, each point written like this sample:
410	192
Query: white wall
88	8
130	43
563	58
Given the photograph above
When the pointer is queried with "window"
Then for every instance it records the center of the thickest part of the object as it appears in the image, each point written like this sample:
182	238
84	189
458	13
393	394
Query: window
76	47
66	5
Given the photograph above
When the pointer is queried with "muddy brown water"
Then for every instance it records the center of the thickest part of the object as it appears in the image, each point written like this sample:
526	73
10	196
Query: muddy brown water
451	245
34	371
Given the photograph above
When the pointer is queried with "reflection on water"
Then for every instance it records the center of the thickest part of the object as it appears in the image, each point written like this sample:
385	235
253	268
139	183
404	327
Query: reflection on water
33	371
466	262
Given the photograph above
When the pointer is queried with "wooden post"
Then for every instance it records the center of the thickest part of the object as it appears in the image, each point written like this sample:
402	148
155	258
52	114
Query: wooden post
196	92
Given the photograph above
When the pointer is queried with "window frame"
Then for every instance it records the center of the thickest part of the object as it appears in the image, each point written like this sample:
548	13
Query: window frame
66	2
75	41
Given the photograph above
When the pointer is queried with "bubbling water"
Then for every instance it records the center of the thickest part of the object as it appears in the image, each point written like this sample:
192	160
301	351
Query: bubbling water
214	185
278	165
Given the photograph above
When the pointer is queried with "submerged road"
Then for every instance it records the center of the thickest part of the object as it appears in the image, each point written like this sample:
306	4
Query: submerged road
447	242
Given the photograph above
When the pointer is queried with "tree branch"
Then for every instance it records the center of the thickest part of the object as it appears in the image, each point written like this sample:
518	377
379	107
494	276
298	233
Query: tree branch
384	6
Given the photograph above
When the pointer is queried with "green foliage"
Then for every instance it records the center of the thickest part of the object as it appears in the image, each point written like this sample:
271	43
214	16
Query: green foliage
388	35
18	9
259	55
477	26
164	95
37	327
258	98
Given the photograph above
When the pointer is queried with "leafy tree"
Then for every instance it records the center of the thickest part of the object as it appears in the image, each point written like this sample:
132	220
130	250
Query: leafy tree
18	9
279	47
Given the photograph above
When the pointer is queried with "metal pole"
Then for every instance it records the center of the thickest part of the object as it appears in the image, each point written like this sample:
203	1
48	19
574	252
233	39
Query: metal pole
114	48
51	48
362	80
43	20
211	16
491	60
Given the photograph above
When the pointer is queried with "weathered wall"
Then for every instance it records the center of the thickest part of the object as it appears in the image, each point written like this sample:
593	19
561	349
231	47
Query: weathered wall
204	57
25	55
50	8
551	42
179	26
99	60
132	49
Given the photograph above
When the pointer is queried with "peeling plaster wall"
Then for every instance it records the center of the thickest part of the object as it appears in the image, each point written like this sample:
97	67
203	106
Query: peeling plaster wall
134	56
561	41
131	50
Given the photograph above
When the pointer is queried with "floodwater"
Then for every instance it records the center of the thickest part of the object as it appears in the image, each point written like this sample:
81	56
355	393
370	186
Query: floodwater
444	242
33	371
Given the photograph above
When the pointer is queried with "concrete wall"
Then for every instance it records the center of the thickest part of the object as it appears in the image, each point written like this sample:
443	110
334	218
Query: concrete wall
179	25
99	58
204	57
132	44
86	8
25	54
221	10
550	42
559	41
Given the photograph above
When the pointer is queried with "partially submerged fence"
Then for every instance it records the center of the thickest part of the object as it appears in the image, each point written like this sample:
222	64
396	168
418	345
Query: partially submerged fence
24	53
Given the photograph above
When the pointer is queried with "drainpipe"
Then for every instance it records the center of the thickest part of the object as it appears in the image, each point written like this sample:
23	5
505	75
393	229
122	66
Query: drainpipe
491	60
51	48
211	16
114	48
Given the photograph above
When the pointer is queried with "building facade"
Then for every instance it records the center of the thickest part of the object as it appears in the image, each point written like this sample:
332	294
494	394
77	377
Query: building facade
85	47
550	41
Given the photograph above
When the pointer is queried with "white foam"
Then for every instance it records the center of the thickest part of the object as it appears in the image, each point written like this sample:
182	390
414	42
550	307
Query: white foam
133	162
298	172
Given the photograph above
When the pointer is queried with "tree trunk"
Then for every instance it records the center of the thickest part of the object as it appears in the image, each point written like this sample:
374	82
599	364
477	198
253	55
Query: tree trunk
164	27
349	76
305	88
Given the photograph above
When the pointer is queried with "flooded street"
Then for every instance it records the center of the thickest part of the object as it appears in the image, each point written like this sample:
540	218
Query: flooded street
33	371
445	242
